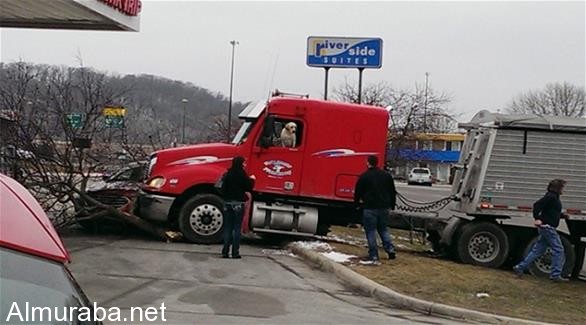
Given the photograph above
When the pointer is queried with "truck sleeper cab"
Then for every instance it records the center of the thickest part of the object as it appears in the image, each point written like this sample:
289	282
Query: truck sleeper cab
300	188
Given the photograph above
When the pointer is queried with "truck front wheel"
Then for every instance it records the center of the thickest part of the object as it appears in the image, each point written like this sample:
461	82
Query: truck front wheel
484	244
542	266
201	219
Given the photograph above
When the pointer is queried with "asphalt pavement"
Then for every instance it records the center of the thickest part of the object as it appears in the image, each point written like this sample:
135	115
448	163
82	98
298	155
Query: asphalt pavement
267	285
423	193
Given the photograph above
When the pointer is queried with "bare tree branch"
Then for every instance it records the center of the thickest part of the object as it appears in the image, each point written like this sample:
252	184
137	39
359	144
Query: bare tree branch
557	99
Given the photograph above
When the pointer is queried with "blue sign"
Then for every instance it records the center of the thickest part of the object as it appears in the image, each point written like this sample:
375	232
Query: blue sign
344	52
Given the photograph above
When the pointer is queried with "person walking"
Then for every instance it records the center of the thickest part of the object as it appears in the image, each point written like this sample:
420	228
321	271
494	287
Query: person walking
375	193
547	212
234	186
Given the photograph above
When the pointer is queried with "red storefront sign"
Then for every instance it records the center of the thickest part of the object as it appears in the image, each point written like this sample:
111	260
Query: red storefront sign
127	7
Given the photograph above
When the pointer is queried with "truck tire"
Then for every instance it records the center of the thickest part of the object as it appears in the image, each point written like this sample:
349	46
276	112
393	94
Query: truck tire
484	244
542	266
201	219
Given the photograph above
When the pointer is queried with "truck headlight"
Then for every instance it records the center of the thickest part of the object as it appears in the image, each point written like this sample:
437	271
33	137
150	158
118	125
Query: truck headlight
157	182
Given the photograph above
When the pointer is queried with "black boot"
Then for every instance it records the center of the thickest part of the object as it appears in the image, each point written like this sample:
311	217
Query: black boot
225	251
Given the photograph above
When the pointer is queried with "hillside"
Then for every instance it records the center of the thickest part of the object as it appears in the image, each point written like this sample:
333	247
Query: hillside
153	103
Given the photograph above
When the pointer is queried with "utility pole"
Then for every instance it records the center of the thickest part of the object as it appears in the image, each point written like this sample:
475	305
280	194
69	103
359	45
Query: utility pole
184	101
425	104
233	43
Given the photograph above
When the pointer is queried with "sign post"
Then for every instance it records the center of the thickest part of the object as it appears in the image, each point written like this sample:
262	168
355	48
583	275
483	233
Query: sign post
344	52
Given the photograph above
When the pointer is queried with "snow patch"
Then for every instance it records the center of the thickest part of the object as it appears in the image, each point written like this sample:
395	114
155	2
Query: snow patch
314	245
278	252
348	240
338	257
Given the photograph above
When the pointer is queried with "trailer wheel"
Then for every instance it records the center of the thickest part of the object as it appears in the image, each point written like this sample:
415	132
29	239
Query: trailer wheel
542	266
201	219
484	244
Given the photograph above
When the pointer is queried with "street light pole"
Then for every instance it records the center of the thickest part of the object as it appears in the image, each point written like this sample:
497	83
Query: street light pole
233	43
184	101
425	104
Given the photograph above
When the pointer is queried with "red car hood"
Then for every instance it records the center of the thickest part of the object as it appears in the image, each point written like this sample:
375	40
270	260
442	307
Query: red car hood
24	226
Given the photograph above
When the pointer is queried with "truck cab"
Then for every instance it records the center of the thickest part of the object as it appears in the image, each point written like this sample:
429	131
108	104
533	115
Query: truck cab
302	186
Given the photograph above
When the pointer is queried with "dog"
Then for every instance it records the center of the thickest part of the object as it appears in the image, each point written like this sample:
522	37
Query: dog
288	135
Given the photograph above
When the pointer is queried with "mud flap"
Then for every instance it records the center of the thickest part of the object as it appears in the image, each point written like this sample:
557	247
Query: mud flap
447	234
245	228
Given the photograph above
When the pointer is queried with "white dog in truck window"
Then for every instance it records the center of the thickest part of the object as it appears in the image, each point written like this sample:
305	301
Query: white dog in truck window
288	135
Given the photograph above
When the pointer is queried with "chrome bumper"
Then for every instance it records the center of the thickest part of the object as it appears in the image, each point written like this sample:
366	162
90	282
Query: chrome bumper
154	207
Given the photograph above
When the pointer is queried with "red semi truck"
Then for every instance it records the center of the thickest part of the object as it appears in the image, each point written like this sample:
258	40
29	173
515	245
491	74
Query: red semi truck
302	190
299	190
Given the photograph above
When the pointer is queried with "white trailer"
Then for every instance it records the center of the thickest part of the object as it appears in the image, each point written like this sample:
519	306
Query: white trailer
505	165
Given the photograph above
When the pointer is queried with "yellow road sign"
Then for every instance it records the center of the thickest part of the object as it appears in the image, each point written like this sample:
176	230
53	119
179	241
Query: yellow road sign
114	111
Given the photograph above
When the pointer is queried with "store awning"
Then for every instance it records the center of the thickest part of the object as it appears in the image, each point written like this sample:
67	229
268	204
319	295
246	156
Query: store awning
112	15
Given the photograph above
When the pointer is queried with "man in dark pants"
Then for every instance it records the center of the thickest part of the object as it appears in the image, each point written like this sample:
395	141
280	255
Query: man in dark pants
234	186
547	212
375	193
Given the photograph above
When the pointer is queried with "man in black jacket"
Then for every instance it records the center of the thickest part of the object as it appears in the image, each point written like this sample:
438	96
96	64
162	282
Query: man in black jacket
547	212
375	193
234	186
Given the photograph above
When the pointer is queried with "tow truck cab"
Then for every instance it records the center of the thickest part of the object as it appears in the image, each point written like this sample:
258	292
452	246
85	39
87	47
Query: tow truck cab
298	190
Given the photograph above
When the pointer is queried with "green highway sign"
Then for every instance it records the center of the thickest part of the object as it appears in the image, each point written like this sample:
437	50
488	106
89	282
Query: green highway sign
114	122
74	120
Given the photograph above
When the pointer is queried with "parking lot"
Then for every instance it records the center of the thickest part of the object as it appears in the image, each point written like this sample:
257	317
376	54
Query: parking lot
197	286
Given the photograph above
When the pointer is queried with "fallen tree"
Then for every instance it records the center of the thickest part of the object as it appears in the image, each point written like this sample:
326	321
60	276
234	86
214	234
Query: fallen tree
99	210
62	139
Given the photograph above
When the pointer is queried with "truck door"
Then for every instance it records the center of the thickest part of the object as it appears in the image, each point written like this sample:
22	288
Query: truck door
277	156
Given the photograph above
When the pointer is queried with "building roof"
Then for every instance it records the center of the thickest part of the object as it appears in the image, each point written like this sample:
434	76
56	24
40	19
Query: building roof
71	14
529	121
440	136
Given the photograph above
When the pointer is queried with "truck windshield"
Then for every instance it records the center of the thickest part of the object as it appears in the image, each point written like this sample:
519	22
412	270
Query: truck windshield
242	133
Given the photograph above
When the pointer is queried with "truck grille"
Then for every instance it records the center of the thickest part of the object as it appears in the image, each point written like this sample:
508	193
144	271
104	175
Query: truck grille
113	200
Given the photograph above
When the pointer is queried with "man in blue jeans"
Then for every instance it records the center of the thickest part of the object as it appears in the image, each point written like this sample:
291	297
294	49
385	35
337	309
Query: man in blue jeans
375	193
547	212
234	185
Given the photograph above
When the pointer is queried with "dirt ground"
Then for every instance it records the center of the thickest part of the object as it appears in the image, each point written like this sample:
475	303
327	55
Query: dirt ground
416	273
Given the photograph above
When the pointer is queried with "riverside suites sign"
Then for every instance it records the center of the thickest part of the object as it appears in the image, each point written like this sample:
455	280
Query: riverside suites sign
127	7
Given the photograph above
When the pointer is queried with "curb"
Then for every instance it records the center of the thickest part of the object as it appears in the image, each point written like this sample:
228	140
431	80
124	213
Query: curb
388	296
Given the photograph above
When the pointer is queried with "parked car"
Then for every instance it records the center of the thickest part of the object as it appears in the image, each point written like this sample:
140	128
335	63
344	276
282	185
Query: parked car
32	259
419	175
11	151
115	189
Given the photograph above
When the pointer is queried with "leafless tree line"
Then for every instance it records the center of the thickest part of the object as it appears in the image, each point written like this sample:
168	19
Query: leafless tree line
557	99
411	111
60	140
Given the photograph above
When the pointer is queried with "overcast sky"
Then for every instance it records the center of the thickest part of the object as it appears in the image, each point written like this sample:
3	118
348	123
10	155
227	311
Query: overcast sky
482	53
